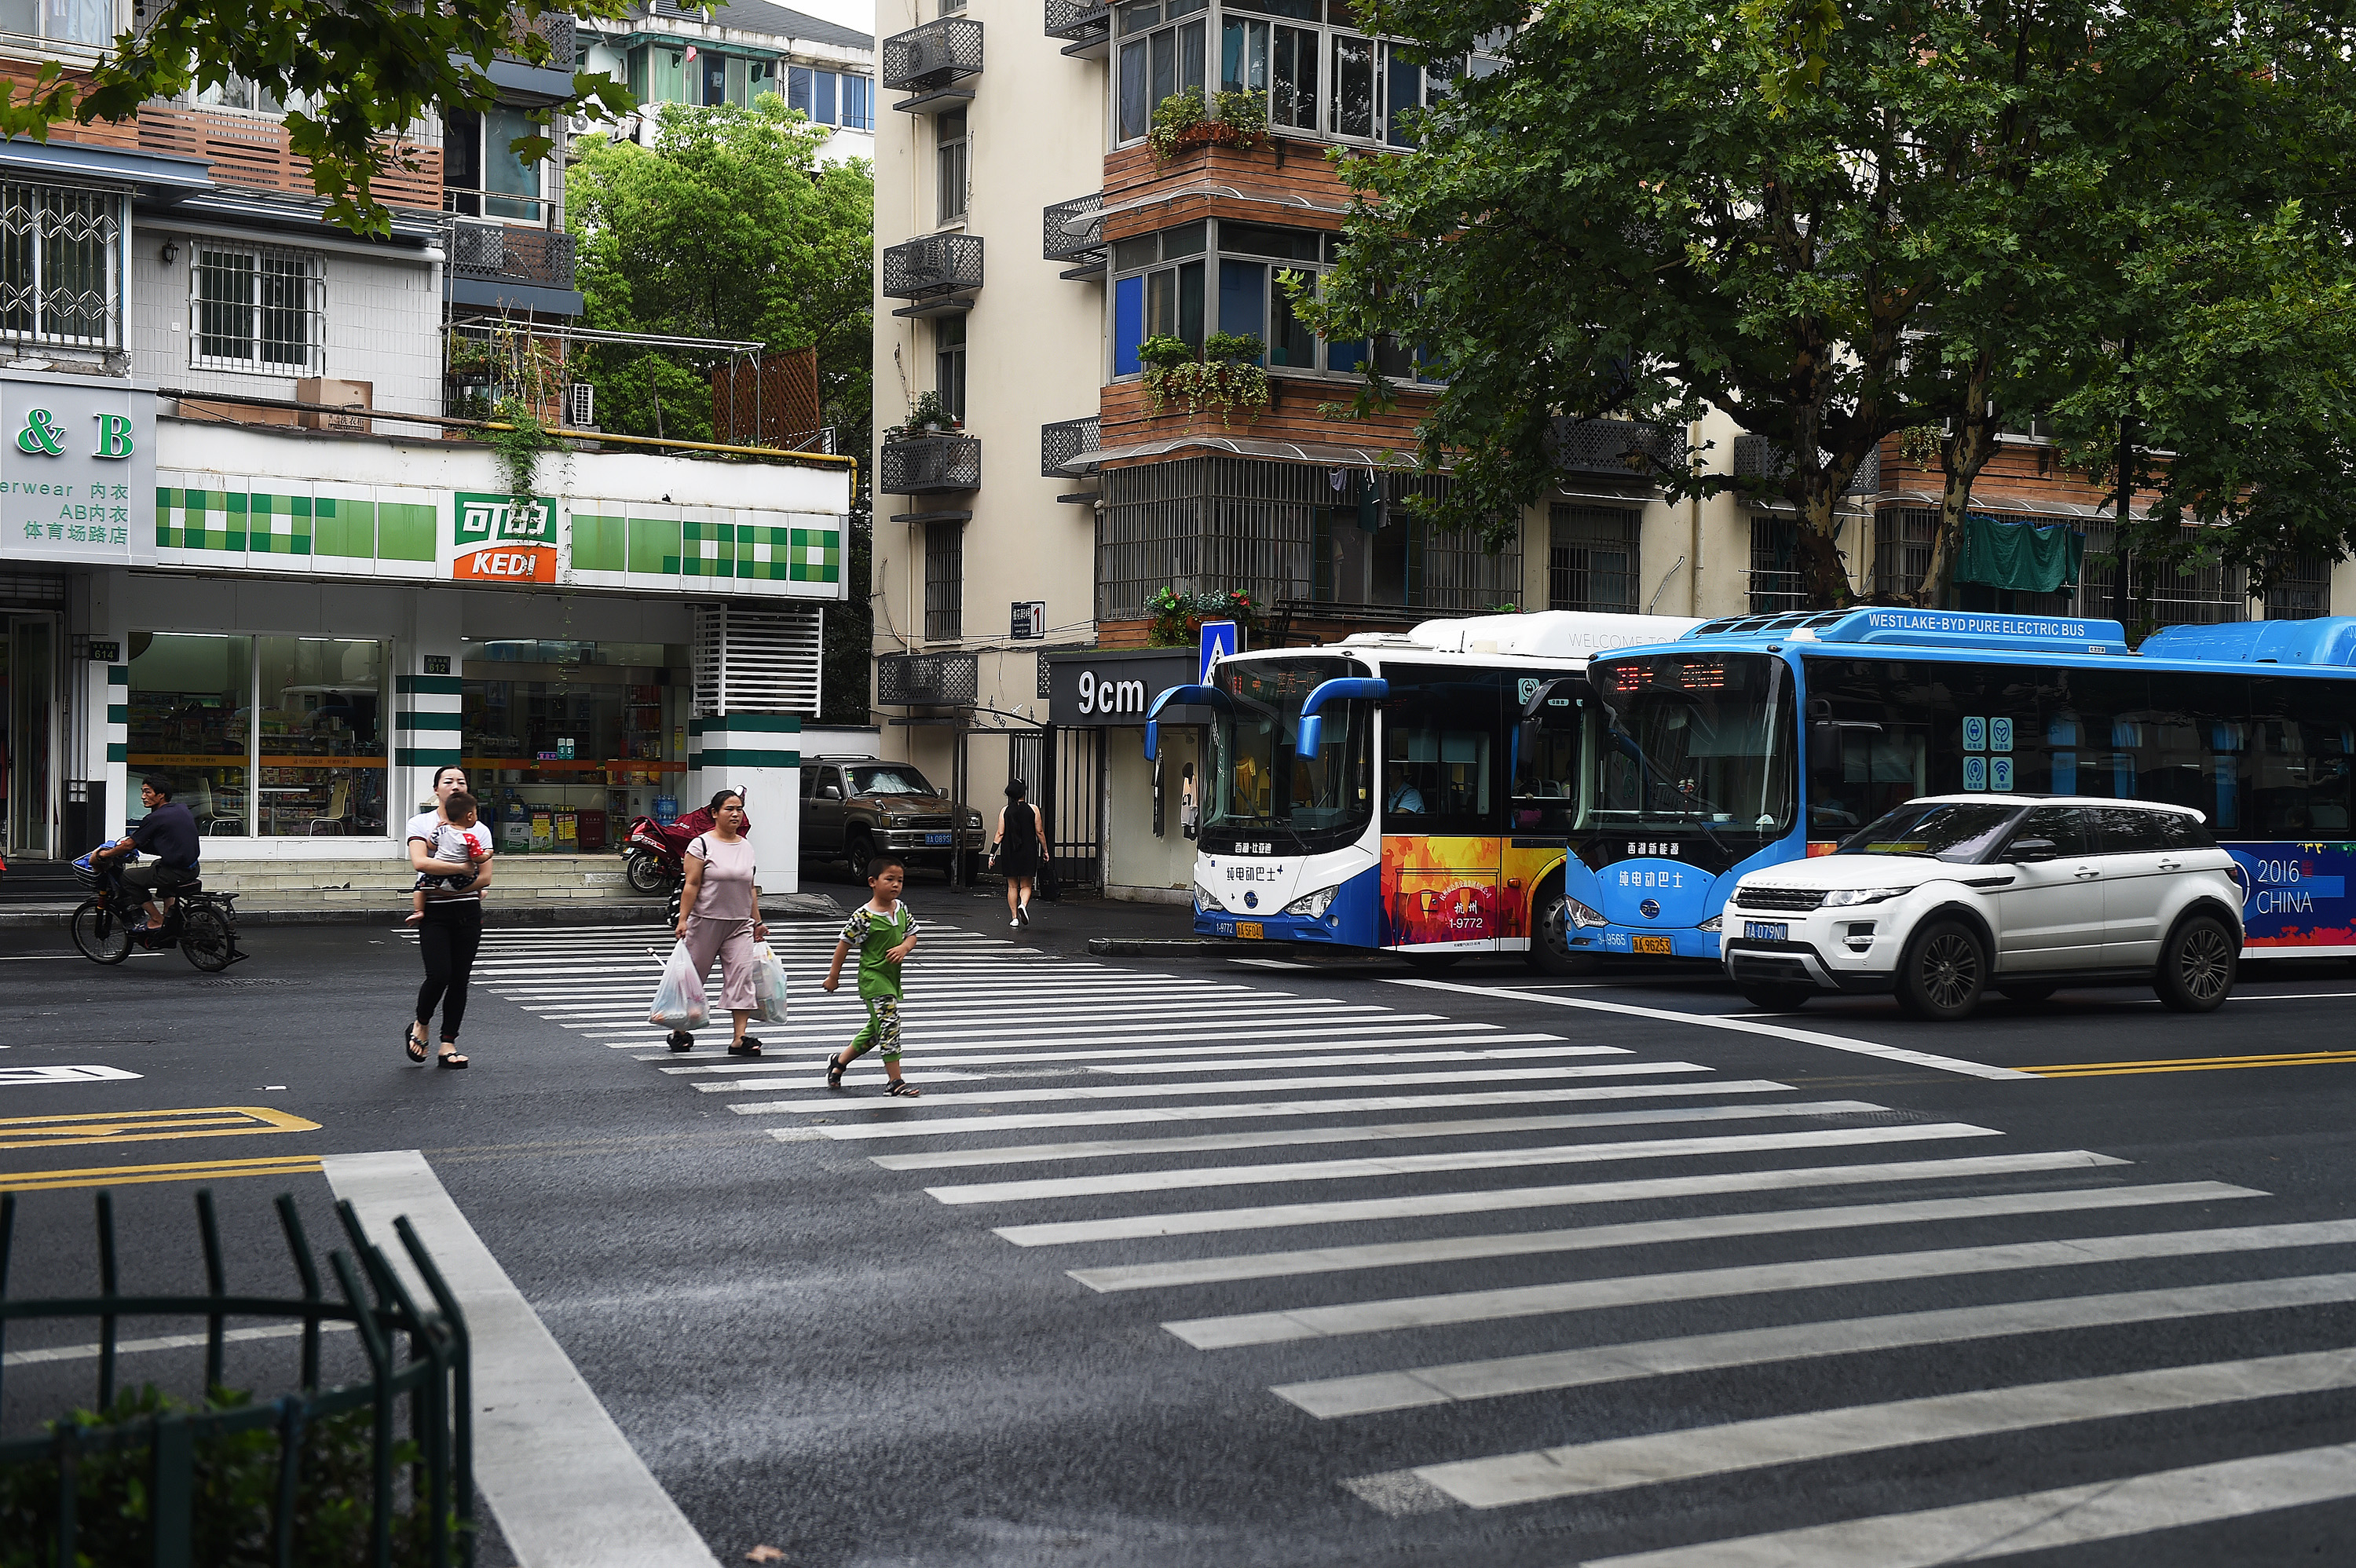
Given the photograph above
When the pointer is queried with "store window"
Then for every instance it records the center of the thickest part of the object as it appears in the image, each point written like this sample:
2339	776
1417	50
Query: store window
191	704
323	738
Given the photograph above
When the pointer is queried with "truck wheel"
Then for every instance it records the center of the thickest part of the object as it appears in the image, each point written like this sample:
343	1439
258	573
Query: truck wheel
858	849
2197	965
1941	976
1550	949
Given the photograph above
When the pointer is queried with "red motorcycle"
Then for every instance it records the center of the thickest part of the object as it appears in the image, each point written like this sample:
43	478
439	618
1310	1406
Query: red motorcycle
654	855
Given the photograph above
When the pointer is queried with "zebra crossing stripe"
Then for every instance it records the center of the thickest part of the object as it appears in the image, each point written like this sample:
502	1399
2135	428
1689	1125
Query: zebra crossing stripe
1547	1371
1211	1054
1646	1233
2036	1522
1377	1058
1585	1468
1426	1205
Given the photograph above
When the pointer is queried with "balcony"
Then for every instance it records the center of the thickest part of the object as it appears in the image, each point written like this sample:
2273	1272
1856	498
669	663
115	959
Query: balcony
928	681
1087	27
1061	441
930	466
558	28
1757	457
520	80
253	151
1618	449
1073	231
931	61
938	274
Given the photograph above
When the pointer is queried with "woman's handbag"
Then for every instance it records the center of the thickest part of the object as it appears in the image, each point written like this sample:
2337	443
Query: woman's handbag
768	983
679	997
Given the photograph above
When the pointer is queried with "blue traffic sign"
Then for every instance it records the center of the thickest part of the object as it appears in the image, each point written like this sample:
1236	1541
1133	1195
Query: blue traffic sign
1219	640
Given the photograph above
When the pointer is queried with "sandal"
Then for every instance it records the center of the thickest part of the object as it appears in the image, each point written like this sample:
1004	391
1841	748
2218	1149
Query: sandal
748	1046
449	1059
414	1043
902	1089
834	1071
681	1041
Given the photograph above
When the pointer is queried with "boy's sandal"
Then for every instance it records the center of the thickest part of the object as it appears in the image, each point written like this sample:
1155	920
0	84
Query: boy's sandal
834	1069
903	1089
679	1040
748	1046
449	1059
414	1043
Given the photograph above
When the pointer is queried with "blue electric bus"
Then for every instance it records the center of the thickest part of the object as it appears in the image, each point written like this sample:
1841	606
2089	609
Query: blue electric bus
1757	740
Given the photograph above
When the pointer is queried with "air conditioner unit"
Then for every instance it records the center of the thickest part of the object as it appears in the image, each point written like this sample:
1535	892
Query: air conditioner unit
580	125
581	406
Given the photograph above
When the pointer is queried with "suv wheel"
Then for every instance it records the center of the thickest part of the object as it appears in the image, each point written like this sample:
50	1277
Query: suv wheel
858	849
1550	950
1778	999
2197	964
1941	973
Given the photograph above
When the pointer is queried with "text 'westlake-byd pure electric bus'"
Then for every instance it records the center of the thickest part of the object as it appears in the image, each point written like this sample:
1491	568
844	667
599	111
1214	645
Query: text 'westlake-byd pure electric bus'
1417	792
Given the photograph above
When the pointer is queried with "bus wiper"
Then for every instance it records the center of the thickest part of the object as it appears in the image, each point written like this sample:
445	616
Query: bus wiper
1700	819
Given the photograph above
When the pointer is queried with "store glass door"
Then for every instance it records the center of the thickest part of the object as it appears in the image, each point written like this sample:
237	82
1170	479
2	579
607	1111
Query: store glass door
28	744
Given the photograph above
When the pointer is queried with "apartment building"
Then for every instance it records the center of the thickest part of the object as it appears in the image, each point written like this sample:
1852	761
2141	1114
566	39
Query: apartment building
246	542
1007	601
671	53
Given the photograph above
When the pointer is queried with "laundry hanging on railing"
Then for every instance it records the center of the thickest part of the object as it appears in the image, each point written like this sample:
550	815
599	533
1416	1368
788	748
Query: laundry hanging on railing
2016	553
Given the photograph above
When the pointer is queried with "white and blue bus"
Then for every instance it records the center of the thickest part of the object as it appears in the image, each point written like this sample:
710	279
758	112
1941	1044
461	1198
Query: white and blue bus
1754	741
1416	792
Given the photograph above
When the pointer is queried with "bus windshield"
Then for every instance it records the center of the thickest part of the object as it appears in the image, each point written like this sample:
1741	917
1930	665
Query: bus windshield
1259	790
1701	737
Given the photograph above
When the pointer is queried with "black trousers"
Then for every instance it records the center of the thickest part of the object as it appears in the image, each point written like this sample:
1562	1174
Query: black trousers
448	936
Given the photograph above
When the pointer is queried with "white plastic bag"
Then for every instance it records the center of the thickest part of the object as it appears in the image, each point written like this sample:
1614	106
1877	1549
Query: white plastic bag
768	983
679	998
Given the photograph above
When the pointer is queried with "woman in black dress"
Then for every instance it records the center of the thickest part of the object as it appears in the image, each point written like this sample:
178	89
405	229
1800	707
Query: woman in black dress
1022	845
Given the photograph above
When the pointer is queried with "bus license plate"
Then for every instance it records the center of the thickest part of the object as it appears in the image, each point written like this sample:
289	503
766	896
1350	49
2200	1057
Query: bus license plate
1766	931
937	839
1653	944
1249	930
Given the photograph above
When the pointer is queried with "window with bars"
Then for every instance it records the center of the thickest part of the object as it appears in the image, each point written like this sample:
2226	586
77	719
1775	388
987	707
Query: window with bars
1902	536
2299	589
61	264
255	308
2128	589
1777	584
1591	558
944	582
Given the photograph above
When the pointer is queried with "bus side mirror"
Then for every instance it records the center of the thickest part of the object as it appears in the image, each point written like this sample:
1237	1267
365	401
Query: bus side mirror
2029	852
1823	747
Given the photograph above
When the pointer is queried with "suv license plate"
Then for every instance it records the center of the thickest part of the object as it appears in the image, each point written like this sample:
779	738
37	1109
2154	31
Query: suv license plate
1251	930
1766	931
1655	944
937	839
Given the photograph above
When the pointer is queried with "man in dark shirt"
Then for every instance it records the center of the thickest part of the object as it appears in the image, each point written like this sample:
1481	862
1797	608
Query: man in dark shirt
167	836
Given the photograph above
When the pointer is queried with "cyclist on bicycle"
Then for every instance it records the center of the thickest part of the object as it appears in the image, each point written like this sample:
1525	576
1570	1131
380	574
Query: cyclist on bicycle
167	836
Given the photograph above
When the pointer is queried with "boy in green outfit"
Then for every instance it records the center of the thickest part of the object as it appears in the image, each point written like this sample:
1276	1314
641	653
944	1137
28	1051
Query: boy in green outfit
884	932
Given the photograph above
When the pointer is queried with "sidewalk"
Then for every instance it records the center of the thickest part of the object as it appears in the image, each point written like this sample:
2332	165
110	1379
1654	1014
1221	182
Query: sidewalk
823	904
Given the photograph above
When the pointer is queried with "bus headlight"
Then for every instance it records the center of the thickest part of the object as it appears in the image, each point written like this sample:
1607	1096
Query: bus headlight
1312	904
1715	923
1578	915
1206	901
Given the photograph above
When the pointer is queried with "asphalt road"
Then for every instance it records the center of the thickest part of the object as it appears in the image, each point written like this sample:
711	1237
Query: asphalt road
1200	1261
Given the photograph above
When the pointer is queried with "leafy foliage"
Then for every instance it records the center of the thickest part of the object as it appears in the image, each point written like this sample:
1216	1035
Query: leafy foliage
1224	378
1178	617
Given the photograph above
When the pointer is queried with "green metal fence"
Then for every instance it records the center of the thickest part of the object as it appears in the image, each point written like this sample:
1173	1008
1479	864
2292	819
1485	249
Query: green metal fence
184	1448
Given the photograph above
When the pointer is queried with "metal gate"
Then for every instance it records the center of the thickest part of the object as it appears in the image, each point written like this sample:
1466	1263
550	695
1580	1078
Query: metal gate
1071	791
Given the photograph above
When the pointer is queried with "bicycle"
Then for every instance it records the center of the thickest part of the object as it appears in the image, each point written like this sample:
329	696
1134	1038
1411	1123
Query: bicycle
202	925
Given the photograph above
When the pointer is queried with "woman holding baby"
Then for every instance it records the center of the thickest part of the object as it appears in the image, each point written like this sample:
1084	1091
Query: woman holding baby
451	852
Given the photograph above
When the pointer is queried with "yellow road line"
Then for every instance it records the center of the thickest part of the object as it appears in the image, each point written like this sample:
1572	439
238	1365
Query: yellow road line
139	1175
148	1127
2192	1064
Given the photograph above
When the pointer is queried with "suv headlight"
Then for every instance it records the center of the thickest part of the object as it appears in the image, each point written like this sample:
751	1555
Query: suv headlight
1578	915
1715	923
1846	898
1312	904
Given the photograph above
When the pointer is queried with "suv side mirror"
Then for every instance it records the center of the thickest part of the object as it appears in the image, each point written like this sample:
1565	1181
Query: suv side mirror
830	792
2028	851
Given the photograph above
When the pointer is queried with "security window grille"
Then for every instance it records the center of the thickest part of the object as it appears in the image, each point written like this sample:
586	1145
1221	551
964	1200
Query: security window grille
1902	536
944	582
1775	578
255	309
2299	589
1591	558
61	264
2130	589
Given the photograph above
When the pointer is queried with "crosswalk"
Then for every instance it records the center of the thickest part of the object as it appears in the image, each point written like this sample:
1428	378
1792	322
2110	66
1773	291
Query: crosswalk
1549	1268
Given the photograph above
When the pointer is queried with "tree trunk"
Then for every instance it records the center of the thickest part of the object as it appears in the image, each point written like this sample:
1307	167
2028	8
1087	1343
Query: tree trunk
1823	575
1961	456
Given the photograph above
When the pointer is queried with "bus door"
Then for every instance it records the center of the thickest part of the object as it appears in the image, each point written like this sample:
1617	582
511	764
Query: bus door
1543	810
1443	795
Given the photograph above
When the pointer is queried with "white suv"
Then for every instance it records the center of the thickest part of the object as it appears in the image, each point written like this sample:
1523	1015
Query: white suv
1951	894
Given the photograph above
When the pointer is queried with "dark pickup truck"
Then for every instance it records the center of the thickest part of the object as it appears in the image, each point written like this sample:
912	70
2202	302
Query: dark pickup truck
854	808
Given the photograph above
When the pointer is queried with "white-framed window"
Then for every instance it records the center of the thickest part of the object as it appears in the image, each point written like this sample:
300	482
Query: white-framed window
257	308
61	264
950	162
60	21
831	99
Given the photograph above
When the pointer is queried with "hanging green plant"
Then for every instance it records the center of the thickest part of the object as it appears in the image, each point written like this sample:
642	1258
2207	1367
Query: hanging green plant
1245	114
1173	118
1178	617
518	449
929	416
1224	378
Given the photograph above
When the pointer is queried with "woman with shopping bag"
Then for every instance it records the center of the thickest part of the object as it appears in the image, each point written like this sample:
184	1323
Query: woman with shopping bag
719	912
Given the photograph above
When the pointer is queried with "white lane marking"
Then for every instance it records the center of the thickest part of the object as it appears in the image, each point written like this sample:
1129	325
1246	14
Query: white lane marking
1176	1180
23	1077
1744	1026
1271	963
1256	1086
1580	1469
1754	1279
1646	1233
1211	1054
564	1482
162	1342
1329	1398
2036	1522
1479	1200
1274	1011
1356	1132
1376	1058
1129	1115
1129	1034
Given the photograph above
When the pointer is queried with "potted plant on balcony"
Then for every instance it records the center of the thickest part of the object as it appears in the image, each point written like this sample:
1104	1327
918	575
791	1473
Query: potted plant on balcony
1226	375
927	416
1185	119
1178	617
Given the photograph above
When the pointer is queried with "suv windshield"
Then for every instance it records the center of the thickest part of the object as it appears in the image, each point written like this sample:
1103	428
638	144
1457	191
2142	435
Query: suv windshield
1964	832
1260	789
1704	739
898	778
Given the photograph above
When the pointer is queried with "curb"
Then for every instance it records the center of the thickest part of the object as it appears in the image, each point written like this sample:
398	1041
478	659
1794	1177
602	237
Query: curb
1117	946
604	912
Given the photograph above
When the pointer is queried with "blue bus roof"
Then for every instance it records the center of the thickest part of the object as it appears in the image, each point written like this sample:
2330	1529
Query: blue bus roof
2325	642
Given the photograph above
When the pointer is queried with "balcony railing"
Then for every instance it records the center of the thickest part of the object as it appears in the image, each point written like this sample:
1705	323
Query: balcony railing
1757	457
1061	441
930	466
1073	231
938	680
1778	592
1079	21
558	28
1621	449
501	252
928	58
932	268
253	150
